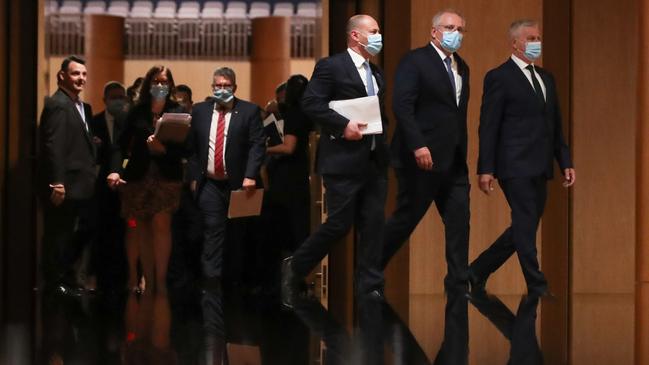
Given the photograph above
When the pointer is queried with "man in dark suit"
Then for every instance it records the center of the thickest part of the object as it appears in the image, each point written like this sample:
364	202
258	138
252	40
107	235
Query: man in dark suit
429	147
108	261
352	165
227	144
520	133
67	175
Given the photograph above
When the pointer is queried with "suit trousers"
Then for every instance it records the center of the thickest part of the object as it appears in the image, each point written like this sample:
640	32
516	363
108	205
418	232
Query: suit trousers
526	198
67	229
213	200
350	200
417	190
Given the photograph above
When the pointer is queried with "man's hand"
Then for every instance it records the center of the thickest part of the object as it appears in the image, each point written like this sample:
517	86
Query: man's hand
114	180
249	185
155	146
424	159
569	177
353	130
58	194
486	182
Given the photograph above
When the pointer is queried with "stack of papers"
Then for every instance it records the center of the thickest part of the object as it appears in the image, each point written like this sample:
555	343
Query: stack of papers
173	127
365	109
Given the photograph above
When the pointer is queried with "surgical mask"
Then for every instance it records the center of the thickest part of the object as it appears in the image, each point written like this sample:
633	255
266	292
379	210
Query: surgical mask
115	107
451	41
374	44
159	91
223	95
533	50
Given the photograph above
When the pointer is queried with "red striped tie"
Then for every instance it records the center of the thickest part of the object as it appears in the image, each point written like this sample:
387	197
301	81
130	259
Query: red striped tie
219	169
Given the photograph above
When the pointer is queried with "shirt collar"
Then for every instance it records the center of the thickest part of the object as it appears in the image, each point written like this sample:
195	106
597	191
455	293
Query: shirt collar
75	98
356	58
441	53
520	63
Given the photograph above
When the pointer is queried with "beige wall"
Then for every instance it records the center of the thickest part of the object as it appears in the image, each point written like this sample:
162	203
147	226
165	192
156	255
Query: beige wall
196	74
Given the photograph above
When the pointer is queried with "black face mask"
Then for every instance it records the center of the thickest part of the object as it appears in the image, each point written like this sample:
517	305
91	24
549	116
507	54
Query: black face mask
282	107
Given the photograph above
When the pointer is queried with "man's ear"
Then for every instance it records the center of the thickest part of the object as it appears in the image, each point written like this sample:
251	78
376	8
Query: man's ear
59	75
234	88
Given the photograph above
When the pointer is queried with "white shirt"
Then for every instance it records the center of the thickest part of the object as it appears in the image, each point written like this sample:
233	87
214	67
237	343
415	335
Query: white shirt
522	64
359	62
82	112
110	125
212	148
456	75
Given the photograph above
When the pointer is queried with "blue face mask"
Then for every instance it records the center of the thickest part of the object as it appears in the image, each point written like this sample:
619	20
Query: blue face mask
533	50
374	44
451	41
159	91
223	95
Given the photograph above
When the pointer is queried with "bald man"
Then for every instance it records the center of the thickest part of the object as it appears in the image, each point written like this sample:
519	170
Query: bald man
353	166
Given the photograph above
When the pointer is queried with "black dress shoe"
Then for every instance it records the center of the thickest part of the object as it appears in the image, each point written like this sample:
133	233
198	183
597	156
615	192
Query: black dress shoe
291	283
478	284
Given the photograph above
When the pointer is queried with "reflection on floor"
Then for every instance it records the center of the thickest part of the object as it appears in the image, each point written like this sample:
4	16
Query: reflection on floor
235	327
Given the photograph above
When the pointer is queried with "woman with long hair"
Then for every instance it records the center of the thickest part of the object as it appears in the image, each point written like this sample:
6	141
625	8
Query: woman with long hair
150	181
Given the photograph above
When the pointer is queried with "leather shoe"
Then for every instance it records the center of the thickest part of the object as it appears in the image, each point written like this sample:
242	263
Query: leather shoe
478	284
291	283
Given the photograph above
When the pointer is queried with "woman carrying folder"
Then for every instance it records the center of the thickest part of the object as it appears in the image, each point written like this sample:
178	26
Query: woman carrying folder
150	181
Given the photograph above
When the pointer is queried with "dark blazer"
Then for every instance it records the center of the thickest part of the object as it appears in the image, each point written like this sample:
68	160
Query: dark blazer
244	148
99	129
426	110
67	153
518	135
336	78
132	145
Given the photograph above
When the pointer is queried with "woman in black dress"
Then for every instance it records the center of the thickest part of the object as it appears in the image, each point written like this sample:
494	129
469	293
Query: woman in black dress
150	180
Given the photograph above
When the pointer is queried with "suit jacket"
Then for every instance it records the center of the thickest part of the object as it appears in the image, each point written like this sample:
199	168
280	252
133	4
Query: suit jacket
67	154
99	128
244	148
427	113
518	135
132	145
336	78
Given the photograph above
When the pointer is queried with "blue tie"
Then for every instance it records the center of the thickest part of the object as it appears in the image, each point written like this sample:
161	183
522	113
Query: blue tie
447	61
370	92
368	79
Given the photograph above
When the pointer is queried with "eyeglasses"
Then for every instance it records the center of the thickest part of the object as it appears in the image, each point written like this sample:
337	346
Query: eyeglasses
452	28
221	86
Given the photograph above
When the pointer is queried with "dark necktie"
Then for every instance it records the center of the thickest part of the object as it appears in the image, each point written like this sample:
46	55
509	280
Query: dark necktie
449	69
536	84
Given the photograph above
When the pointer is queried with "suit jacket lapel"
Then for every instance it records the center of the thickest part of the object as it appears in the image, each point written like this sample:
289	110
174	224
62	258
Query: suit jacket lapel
352	73
461	69
439	65
522	79
233	125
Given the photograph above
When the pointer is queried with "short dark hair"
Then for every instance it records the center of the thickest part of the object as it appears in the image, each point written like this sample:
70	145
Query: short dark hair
72	58
228	73
281	87
113	85
184	89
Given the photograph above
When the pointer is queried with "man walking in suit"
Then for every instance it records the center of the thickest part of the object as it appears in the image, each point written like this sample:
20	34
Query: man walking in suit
520	133
352	165
429	147
227	148
67	175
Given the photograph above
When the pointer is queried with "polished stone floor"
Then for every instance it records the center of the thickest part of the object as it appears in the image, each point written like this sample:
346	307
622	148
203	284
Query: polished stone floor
243	327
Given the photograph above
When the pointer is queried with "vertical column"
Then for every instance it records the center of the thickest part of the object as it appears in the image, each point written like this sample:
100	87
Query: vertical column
104	53
271	55
642	191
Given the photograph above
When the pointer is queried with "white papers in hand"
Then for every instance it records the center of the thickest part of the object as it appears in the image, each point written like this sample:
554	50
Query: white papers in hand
365	109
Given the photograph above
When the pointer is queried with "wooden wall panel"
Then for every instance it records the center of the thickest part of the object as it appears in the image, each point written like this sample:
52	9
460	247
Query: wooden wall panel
604	116
104	46
270	62
485	46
